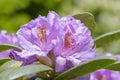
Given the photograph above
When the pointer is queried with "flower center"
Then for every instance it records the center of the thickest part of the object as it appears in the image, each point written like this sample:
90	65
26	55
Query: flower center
103	77
42	34
68	40
70	45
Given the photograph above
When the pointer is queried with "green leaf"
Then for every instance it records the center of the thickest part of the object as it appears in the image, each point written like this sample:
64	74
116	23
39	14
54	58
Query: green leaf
4	60
107	38
13	73
115	67
10	64
86	68
87	19
4	47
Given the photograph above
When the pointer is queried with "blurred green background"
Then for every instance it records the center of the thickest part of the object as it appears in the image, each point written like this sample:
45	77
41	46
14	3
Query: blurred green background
14	13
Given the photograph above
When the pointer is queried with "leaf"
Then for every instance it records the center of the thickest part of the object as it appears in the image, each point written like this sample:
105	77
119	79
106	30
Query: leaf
4	60
13	73
86	68
115	67
107	38
87	19
10	64
4	47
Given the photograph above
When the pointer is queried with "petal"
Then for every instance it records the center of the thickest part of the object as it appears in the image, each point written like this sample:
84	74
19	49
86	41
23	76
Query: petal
30	52
52	17
86	55
60	62
74	61
26	60
5	54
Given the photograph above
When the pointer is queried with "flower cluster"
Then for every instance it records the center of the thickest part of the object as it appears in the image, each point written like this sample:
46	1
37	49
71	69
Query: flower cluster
67	39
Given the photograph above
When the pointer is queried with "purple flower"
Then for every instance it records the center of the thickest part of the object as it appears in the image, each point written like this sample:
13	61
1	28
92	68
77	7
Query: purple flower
105	74
67	39
74	45
6	39
37	38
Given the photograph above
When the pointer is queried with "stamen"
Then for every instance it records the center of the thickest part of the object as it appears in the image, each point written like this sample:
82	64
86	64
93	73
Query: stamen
42	34
70	46
67	40
103	77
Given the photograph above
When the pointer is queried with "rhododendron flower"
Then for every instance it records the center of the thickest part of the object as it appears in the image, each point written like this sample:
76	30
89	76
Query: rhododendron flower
67	39
74	46
37	38
6	39
104	74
